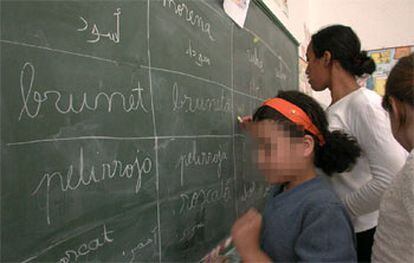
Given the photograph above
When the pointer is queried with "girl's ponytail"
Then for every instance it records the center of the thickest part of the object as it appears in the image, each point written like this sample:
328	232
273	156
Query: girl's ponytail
339	153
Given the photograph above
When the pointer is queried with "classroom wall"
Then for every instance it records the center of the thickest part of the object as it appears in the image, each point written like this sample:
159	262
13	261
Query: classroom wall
378	23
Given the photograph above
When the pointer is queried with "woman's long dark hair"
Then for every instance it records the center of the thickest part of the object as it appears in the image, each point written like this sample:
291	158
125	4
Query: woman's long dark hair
340	151
345	47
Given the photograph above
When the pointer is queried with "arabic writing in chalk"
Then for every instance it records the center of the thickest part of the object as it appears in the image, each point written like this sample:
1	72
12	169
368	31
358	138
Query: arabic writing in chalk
115	37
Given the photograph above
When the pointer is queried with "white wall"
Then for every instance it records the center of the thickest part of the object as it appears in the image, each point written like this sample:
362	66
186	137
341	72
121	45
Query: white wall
378	23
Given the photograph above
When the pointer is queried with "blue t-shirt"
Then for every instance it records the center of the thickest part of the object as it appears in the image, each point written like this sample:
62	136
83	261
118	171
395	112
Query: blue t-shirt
307	223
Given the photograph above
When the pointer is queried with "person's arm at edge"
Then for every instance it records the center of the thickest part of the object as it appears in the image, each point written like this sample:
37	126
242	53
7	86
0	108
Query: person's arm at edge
385	156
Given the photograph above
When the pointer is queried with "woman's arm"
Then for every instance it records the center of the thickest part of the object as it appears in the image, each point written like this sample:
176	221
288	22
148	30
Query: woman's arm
385	156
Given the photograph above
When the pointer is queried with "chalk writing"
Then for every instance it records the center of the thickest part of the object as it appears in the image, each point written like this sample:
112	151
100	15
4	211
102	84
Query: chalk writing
115	37
71	181
199	59
202	198
190	17
189	232
254	88
183	102
33	100
145	242
279	72
254	59
248	191
87	247
201	158
252	188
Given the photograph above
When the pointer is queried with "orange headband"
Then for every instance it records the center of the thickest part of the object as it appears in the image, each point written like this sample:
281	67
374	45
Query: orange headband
295	114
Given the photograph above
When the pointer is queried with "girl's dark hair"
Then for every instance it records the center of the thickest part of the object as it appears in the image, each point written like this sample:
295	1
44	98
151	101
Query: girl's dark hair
340	151
345	47
400	84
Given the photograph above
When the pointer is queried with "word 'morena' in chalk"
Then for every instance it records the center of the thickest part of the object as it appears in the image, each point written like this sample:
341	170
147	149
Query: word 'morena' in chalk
190	17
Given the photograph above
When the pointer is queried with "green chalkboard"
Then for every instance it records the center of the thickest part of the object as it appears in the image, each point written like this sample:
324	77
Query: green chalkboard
118	133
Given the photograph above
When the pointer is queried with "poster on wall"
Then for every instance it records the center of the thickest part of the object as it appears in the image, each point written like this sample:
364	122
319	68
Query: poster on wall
385	59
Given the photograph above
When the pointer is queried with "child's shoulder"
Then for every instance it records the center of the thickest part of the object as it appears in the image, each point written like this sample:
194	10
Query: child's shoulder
321	195
311	194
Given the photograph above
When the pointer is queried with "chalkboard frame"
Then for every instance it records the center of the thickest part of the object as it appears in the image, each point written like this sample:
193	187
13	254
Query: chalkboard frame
275	20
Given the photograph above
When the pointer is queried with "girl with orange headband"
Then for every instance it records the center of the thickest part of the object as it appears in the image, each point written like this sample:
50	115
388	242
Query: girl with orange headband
303	220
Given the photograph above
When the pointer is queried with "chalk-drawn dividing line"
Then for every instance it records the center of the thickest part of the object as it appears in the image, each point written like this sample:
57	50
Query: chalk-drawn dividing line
233	116
118	63
202	79
80	138
157	175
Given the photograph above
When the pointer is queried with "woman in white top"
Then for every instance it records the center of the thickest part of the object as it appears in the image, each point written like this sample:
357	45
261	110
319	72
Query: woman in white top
335	60
394	238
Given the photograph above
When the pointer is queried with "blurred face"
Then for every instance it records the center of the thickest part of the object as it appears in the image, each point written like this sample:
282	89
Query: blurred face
279	157
316	71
